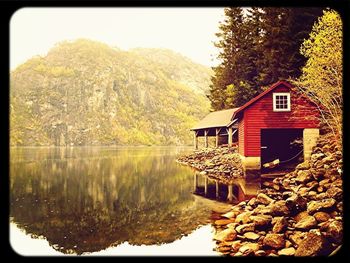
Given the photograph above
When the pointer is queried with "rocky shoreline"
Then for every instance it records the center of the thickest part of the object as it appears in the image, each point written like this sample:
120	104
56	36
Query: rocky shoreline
299	214
221	163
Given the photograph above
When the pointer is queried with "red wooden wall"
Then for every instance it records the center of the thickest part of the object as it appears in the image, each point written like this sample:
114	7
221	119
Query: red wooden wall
260	114
241	136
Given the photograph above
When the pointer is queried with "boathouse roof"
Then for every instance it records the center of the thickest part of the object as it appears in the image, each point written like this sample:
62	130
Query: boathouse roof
222	118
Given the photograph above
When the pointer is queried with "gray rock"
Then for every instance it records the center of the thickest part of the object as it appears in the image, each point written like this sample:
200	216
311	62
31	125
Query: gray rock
249	246
303	166
251	236
279	224
296	203
228	234
229	215
335	192
334	231
297	237
301	215
306	223
328	159
321	196
263	199
261	221
276	241
260	253
279	208
313	245
286	251
245	228
236	245
322	217
304	176
320	205
244	217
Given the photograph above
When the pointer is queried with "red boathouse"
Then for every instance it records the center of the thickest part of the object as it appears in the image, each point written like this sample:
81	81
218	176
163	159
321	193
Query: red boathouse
277	124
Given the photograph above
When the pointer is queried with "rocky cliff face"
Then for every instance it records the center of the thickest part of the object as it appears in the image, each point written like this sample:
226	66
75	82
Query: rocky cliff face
299	214
87	93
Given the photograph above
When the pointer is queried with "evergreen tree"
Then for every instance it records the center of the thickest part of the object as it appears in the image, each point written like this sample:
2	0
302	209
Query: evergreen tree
300	26
284	30
229	44
259	46
273	63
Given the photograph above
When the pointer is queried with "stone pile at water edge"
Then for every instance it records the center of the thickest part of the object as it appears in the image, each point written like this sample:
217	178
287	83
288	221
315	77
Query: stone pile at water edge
221	163
299	214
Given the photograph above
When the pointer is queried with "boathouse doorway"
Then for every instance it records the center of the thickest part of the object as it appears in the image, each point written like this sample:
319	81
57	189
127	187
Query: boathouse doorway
283	148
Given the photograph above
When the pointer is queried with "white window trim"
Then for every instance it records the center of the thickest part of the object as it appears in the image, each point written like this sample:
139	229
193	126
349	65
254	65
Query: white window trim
281	94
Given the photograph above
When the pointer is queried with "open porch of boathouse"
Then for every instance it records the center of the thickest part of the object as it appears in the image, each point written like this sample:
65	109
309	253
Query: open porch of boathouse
219	124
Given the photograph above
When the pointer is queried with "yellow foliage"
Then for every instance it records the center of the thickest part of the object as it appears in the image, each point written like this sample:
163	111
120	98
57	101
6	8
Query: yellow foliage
322	76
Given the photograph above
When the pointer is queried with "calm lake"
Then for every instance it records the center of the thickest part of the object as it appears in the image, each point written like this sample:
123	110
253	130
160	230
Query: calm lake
88	199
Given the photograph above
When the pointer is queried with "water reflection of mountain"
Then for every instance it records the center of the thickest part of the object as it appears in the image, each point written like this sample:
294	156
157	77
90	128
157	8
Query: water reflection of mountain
87	199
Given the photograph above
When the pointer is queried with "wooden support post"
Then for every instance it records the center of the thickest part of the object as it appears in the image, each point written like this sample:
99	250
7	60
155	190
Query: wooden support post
195	185
230	193
229	137
217	137
206	138
217	189
195	140
205	185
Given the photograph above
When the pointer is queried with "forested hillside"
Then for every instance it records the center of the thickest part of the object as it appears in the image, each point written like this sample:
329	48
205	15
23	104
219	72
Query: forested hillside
88	93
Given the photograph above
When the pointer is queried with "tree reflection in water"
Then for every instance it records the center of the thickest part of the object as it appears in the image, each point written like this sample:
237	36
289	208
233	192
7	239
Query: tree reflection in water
85	199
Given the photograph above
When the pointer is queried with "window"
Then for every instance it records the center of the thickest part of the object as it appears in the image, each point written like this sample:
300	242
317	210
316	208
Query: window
281	101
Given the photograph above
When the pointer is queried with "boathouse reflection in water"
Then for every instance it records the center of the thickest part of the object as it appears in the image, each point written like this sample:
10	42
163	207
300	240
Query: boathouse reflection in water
235	192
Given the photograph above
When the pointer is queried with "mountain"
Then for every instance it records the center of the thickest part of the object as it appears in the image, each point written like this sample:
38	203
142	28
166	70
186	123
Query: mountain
179	68
87	93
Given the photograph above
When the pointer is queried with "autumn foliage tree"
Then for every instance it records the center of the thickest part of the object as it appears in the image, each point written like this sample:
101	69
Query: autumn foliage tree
322	76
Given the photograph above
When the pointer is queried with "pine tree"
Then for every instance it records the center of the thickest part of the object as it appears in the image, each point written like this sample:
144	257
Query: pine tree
300	26
273	63
258	46
284	30
229	44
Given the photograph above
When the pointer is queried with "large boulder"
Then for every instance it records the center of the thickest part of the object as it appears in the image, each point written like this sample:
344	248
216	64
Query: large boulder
320	205
334	231
313	245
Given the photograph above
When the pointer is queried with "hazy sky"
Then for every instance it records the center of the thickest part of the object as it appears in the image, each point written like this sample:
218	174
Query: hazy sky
189	31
